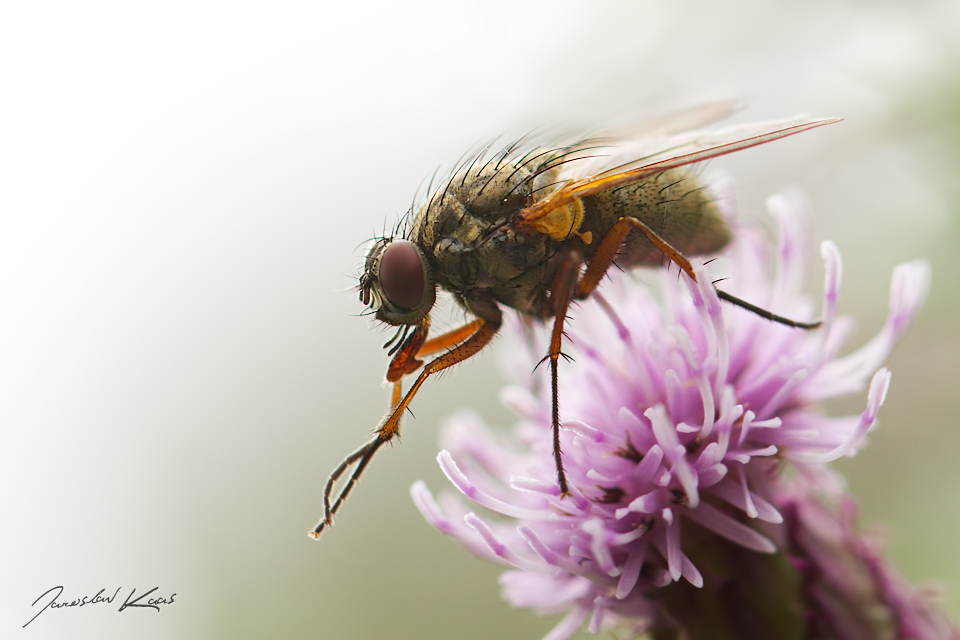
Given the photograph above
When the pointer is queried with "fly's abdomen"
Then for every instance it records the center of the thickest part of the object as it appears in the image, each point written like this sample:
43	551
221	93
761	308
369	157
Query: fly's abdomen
675	204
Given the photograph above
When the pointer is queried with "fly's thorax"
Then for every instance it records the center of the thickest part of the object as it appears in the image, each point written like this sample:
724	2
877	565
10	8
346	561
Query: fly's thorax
466	233
675	204
480	197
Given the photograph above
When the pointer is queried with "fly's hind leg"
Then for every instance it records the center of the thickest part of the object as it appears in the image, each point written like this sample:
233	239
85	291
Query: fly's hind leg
610	246
568	285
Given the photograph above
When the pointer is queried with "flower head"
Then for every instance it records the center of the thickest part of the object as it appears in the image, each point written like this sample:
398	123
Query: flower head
678	416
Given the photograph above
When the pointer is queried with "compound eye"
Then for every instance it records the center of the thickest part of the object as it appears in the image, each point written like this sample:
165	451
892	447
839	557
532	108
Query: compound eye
401	274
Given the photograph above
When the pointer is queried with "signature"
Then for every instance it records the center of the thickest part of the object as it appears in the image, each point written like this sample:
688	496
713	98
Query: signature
100	598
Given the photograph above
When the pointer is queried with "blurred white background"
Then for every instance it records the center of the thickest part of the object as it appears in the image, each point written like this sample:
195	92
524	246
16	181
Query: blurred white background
183	188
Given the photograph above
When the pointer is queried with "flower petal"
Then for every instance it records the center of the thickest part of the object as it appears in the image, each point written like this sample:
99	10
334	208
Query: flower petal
722	524
877	394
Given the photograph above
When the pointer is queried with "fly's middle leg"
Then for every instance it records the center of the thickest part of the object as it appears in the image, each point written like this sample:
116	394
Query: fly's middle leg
561	293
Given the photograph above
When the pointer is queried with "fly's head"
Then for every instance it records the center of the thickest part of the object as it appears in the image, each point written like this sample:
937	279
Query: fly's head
397	282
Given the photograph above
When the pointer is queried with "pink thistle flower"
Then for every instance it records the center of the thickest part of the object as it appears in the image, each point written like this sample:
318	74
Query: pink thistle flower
678	418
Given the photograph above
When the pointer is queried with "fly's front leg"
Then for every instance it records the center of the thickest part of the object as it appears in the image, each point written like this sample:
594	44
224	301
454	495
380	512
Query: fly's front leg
448	339
461	344
404	362
458	350
409	360
361	457
561	292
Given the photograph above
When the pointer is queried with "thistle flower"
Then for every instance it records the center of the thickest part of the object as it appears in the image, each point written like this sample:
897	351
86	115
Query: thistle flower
679	417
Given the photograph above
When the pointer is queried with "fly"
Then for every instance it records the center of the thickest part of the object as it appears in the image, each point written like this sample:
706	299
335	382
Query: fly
533	227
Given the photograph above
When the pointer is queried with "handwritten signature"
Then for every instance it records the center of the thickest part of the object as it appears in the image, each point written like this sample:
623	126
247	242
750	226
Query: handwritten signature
129	603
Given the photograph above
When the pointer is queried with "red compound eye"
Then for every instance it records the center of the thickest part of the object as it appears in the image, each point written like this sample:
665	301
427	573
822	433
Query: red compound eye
401	274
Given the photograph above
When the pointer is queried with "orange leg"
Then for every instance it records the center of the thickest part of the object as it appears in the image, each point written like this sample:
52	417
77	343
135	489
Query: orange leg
610	246
406	362
449	339
417	346
480	338
566	287
465	342
396	395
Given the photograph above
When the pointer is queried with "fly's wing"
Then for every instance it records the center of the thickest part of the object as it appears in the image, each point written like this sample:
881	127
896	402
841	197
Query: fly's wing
583	175
670	123
550	154
577	157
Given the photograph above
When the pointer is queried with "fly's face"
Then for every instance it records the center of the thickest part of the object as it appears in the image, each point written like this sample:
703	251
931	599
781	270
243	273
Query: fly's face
397	282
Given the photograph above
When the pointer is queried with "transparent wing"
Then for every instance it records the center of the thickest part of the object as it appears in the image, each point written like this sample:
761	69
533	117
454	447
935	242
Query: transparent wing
584	155
670	123
583	169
